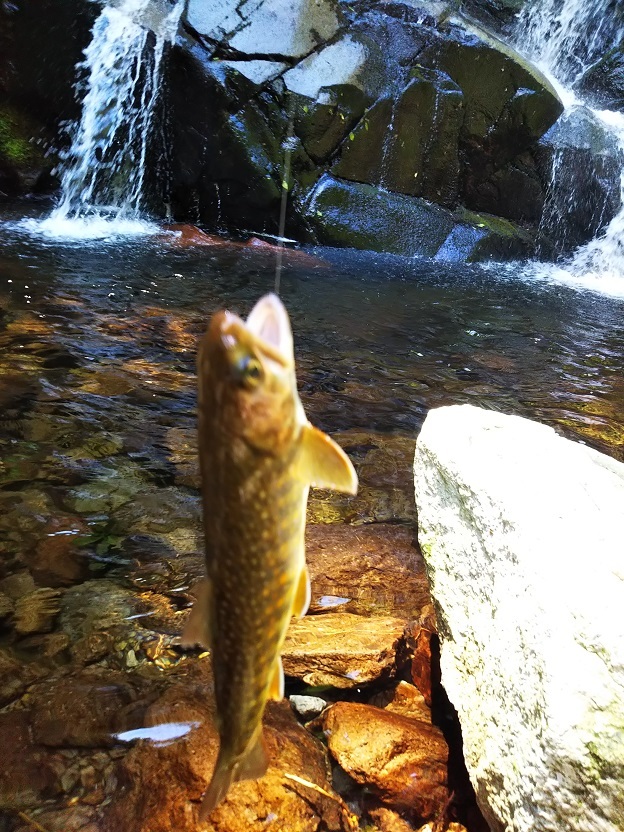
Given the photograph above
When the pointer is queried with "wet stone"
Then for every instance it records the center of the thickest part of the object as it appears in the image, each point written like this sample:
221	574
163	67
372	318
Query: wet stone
160	785
375	567
6	607
341	649
403	699
87	709
36	611
403	761
18	584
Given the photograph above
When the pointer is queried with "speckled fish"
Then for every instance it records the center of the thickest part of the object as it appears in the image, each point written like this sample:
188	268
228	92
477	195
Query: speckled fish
258	455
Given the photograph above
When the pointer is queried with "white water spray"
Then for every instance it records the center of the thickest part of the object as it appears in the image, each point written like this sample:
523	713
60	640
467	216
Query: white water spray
564	38
103	172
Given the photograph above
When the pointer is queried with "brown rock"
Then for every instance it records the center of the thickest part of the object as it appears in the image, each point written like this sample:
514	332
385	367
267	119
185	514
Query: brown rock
403	699
18	584
6	606
27	774
418	643
57	560
36	611
403	761
376	566
341	649
161	785
86	710
387	820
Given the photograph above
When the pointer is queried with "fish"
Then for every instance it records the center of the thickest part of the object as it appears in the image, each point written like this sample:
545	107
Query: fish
259	455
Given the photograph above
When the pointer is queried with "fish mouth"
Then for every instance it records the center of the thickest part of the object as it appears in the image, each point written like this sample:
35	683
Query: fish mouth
267	330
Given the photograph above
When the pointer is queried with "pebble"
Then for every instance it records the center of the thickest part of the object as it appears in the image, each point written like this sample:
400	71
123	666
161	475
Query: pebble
307	707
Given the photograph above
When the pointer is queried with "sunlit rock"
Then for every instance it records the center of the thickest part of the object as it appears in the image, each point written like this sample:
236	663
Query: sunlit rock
403	699
341	649
402	760
267	28
522	533
162	781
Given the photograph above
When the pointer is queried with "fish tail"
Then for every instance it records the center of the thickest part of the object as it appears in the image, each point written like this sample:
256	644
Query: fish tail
250	766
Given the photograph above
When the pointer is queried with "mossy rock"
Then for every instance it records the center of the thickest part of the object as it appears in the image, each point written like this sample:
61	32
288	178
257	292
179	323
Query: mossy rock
21	159
481	237
361	216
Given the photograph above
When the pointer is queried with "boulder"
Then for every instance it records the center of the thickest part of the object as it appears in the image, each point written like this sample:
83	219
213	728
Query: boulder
402	760
264	27
409	144
361	216
583	161
341	649
521	531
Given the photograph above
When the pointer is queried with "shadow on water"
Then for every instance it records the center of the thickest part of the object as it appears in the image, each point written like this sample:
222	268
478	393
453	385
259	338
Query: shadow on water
100	535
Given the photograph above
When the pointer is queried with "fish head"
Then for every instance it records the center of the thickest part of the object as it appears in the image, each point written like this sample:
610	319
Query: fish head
247	375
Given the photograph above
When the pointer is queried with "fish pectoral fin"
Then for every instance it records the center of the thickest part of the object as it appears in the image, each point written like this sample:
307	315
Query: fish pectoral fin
276	688
197	627
324	464
255	762
303	594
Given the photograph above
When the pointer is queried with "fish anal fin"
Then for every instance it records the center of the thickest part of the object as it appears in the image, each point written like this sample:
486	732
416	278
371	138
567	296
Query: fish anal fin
324	464
276	688
254	763
197	627
303	594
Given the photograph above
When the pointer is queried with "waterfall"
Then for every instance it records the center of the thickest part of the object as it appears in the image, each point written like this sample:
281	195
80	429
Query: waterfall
103	173
564	38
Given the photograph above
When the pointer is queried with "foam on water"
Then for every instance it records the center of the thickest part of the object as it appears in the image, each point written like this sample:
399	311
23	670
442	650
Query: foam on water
85	229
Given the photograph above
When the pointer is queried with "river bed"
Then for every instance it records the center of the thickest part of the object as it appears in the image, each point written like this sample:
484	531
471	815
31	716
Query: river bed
98	476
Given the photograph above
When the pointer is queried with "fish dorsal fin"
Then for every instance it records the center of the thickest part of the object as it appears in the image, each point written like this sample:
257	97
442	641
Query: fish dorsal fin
197	628
302	595
276	688
324	464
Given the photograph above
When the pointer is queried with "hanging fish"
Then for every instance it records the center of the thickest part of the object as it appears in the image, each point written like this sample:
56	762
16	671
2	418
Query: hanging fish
258	456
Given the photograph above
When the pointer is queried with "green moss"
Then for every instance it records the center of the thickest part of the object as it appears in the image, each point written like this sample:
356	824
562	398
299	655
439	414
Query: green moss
15	135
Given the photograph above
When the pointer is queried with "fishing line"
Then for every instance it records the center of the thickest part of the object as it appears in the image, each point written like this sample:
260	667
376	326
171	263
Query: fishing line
288	145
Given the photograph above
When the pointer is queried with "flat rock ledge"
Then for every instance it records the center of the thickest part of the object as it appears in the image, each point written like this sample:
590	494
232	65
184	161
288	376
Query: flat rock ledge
521	531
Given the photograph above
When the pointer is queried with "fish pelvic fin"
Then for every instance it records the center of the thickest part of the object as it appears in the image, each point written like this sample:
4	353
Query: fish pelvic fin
251	766
324	464
303	594
197	628
276	688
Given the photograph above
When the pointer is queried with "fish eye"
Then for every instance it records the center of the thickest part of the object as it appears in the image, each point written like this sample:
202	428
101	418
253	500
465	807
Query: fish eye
249	371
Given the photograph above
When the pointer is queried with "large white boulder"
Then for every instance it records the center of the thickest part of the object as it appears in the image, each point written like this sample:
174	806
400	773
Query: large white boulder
523	536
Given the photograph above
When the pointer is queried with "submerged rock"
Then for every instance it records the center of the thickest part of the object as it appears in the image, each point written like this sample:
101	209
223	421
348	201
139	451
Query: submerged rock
521	531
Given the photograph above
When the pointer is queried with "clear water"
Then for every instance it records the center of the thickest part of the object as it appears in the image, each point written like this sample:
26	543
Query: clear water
103	175
98	477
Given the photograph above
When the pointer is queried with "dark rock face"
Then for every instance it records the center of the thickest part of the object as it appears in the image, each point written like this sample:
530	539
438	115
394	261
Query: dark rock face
414	121
585	163
603	83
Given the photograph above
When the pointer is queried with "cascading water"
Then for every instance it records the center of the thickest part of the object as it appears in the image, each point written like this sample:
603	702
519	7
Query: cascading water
103	172
564	38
